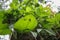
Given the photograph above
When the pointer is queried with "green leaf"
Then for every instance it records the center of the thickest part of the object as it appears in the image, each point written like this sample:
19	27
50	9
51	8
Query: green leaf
36	1
28	9
39	30
26	24
51	32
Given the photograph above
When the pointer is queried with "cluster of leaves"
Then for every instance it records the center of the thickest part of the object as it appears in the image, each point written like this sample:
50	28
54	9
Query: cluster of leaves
22	12
4	29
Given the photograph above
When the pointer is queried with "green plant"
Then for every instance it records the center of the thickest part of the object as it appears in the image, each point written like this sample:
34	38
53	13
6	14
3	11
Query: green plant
28	14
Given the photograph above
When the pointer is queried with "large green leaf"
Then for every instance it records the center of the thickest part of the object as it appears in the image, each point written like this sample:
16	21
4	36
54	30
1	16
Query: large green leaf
26	24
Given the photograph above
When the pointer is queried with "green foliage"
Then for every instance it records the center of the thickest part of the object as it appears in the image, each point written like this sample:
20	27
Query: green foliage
44	14
14	4
43	11
1	20
26	15
3	26
5	31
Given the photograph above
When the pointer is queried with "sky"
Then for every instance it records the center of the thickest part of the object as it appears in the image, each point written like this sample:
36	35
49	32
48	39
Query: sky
56	2
55	5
